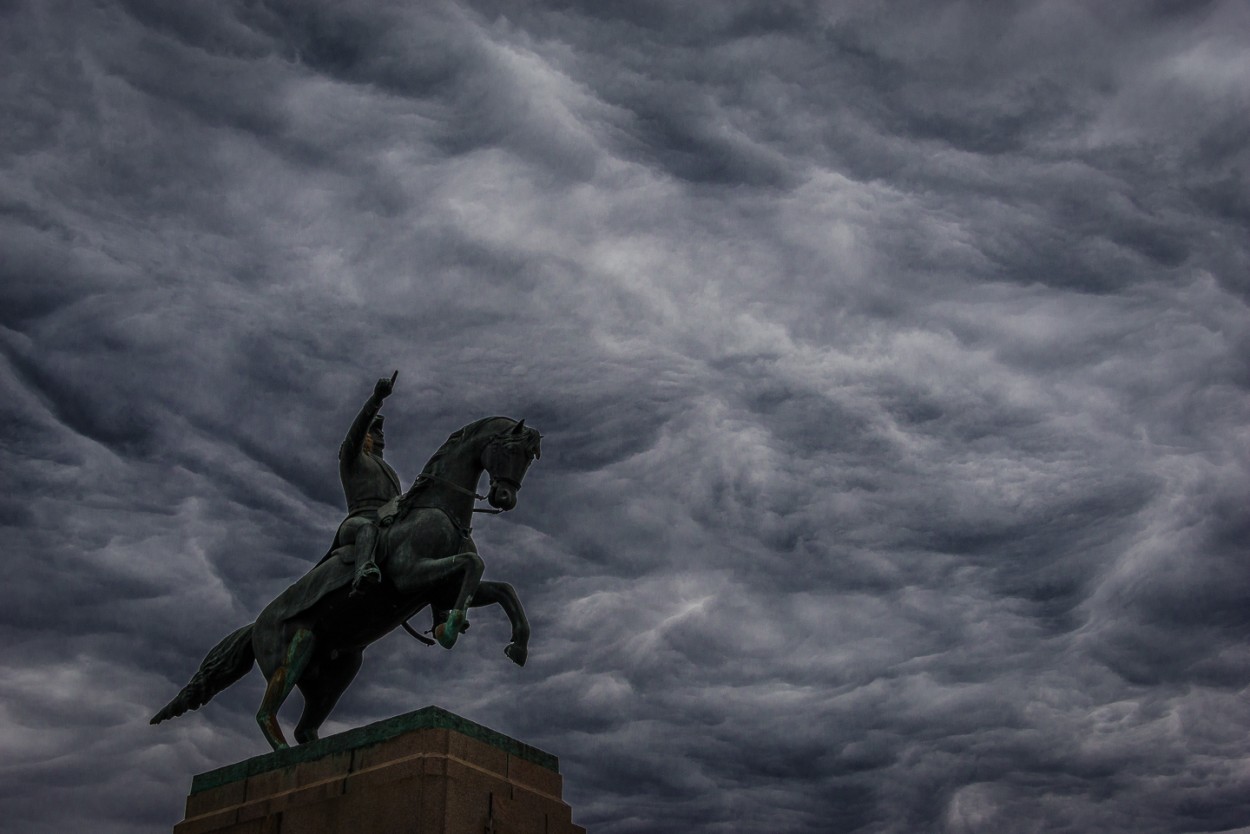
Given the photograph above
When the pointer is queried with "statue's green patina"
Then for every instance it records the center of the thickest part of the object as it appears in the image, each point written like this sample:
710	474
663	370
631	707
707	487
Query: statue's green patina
312	636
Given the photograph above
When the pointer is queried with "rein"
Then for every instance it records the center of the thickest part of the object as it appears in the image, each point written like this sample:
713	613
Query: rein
427	641
425	476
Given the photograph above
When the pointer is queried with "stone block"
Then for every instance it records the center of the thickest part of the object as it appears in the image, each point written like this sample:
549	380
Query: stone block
429	771
226	796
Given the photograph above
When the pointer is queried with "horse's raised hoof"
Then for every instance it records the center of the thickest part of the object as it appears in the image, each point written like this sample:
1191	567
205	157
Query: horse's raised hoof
447	632
516	653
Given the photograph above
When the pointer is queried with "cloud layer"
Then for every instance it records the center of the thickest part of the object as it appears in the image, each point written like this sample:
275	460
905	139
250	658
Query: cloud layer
892	366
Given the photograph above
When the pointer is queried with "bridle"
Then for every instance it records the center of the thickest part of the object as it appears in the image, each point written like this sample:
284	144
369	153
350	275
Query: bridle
511	483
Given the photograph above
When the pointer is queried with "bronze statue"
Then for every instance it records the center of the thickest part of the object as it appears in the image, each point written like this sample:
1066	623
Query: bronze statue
312	635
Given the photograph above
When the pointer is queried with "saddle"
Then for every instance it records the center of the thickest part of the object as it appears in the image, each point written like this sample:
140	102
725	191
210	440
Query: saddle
387	514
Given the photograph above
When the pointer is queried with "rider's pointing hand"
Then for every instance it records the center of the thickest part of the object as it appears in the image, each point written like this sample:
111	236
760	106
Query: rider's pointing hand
384	387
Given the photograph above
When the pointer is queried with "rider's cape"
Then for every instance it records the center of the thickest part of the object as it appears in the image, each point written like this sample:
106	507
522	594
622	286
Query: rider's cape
328	576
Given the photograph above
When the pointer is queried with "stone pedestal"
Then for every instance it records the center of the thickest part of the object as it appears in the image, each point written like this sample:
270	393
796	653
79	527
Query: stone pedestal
427	772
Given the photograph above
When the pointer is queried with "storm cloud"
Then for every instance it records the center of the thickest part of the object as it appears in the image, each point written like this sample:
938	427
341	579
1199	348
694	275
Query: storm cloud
892	362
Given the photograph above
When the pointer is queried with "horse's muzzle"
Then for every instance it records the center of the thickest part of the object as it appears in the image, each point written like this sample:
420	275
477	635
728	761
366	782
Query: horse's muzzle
502	496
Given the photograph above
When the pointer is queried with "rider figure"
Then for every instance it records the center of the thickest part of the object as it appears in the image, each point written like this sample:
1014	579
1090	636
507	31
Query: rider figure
368	483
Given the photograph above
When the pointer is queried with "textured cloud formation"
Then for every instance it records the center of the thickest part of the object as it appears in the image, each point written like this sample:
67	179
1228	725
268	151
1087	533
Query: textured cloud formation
892	363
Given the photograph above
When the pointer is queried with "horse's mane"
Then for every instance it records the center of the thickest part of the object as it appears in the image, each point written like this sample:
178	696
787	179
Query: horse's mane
455	439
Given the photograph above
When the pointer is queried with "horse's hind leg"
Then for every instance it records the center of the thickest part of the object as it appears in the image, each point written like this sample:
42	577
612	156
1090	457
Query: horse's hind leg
281	682
321	687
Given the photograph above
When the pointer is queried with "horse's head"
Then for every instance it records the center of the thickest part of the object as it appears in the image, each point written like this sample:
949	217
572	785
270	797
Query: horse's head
506	457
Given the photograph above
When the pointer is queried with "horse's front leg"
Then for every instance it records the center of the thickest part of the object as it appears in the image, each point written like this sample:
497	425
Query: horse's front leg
504	595
424	573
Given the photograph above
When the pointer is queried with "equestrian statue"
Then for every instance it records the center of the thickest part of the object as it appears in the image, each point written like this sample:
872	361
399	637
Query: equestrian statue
394	555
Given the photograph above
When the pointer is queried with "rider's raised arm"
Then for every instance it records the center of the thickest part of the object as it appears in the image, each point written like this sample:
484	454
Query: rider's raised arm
354	443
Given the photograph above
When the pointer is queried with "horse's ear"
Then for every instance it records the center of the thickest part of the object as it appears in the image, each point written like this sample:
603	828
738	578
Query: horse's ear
519	428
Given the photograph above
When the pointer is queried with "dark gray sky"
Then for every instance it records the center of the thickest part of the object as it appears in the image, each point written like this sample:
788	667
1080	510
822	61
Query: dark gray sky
892	360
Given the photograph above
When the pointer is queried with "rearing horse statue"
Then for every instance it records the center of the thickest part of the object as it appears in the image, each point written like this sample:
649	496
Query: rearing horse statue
313	635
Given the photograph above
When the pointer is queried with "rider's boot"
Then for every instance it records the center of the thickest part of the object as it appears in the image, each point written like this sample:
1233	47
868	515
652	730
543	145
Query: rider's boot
367	573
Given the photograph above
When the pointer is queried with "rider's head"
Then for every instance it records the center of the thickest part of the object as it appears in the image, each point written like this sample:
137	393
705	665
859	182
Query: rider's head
375	440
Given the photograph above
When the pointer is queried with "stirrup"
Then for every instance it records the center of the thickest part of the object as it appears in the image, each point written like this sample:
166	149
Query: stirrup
368	577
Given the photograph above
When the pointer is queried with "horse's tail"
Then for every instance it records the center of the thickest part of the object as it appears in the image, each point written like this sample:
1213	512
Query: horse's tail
229	660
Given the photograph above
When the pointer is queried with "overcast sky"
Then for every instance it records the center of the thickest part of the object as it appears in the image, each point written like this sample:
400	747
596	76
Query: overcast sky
892	362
